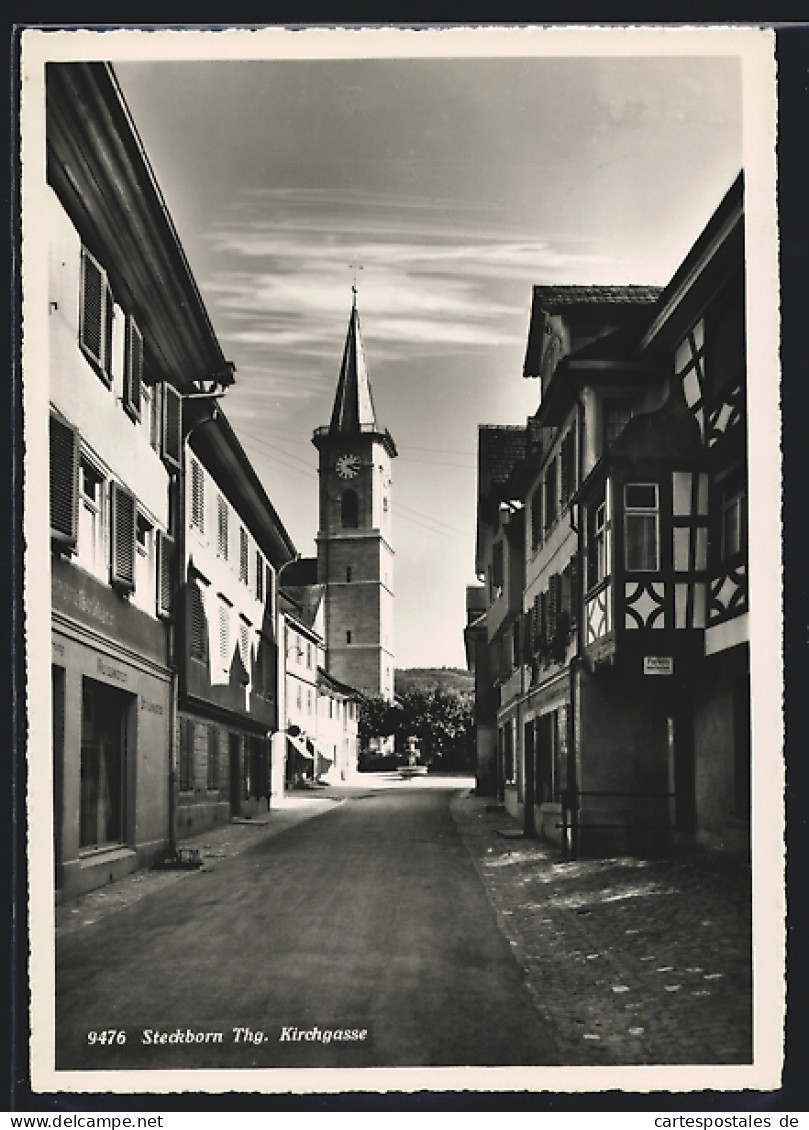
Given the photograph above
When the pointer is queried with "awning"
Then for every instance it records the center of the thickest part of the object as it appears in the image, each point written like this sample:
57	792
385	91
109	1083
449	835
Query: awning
300	747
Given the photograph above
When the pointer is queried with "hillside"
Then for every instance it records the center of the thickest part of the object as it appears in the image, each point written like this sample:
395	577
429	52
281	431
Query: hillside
434	678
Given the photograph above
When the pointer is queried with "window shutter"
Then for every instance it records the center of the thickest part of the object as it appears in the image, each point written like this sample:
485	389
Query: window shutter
197	633
122	539
535	634
64	483
95	317
197	496
543	623
133	368
165	579
172	436
554	584
259	577
222	527
573	610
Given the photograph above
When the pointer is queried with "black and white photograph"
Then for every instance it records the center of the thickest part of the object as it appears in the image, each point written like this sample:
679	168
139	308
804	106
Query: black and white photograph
402	538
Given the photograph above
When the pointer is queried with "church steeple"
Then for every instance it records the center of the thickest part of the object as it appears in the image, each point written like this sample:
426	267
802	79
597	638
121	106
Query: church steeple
353	403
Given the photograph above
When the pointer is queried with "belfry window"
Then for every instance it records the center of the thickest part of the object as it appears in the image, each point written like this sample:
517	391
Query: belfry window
350	510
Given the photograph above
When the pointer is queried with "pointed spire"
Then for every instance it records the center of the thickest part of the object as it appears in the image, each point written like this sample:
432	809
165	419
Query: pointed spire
353	405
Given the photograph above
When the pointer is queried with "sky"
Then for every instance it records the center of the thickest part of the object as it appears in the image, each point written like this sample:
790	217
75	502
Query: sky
445	188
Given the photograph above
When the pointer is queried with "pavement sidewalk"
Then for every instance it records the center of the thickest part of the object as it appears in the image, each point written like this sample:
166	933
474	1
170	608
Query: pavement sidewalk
214	845
631	961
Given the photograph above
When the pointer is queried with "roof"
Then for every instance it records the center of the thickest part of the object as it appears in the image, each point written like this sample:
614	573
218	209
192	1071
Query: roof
562	297
353	404
500	447
324	679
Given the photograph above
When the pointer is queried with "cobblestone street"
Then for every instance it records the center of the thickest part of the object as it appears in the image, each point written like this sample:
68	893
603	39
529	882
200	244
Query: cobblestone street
632	961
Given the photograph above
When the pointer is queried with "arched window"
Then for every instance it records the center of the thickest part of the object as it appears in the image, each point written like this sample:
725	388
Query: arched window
350	509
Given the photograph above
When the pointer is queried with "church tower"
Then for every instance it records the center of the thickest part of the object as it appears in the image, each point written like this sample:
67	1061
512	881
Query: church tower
354	548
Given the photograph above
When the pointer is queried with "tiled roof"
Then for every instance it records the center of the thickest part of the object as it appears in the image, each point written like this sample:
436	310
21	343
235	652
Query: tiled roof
558	297
500	446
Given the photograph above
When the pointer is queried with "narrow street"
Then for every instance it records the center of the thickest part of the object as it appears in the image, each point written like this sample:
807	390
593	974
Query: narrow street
371	920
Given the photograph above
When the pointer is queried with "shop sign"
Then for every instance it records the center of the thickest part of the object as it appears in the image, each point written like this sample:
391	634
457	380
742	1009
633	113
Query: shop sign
658	665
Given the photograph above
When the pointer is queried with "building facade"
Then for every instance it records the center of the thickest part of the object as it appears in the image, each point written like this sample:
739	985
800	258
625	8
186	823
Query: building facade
354	542
134	373
233	546
623	694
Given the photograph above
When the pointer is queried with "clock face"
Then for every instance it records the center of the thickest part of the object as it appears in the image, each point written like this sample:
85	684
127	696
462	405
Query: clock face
348	466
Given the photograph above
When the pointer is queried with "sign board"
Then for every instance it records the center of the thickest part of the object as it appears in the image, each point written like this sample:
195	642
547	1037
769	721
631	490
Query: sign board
658	665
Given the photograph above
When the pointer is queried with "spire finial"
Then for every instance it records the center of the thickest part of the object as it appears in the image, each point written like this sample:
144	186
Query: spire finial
354	268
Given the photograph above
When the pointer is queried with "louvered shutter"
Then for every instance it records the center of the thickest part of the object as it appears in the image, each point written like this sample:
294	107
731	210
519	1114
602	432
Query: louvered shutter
165	570
122	538
197	623
543	623
574	589
93	331
554	585
197	496
172	437
64	483
535	636
133	368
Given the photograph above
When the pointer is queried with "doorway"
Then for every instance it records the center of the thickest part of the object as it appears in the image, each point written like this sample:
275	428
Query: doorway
102	816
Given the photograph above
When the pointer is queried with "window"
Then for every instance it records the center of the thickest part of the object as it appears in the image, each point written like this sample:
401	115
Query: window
309	655
734	521
150	413
597	563
350	510
725	343
213	756
186	765
197	496
385	504
641	528
348	636
144	561
348	574
617	414
122	538
133	368
95	316
243	556
222	527
551	494
64	483
91	521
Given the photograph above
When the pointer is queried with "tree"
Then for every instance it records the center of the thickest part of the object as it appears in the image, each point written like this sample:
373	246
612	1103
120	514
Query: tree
442	720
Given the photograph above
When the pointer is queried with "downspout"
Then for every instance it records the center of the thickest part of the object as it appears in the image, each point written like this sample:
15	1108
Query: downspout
574	667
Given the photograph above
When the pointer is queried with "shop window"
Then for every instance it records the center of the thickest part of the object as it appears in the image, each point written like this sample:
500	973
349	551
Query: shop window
133	368
213	756
186	759
350	510
105	712
641	528
95	316
64	483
